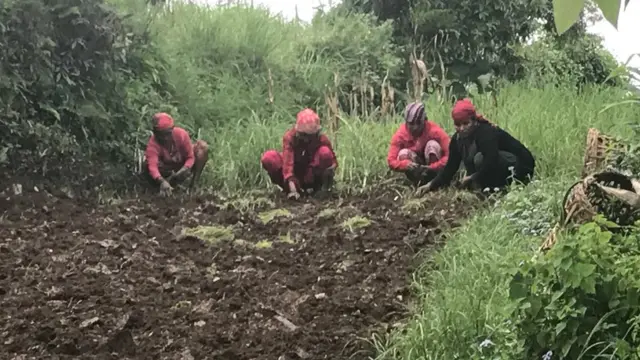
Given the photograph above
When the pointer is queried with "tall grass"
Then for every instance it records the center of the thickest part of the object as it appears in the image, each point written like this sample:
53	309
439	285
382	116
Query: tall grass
552	122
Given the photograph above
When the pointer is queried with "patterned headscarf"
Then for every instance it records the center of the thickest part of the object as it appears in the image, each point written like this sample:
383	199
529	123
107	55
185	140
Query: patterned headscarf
414	113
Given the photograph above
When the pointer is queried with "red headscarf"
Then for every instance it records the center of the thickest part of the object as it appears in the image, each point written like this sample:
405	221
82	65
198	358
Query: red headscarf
162	121
465	110
307	122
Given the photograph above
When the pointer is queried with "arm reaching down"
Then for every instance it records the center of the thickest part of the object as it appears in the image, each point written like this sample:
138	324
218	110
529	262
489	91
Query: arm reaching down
453	163
152	154
288	155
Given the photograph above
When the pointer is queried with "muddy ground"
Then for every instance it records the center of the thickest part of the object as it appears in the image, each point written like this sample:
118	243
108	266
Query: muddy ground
209	278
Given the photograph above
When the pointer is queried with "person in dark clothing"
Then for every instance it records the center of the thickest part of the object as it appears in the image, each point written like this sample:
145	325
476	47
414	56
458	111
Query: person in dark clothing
491	156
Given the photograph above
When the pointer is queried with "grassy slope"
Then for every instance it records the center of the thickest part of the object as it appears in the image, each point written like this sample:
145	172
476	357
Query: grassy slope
462	297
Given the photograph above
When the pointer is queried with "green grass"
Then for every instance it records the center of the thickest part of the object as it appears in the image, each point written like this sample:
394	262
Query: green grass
461	293
552	122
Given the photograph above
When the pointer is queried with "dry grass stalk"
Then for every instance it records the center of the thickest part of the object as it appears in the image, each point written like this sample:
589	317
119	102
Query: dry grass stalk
353	103
270	85
388	96
333	110
419	74
372	94
551	239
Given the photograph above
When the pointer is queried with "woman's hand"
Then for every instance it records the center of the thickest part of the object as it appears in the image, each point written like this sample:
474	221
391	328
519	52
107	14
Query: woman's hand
165	188
293	191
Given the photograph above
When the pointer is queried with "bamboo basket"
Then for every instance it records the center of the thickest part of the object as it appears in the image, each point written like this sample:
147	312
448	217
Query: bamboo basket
578	207
584	199
599	151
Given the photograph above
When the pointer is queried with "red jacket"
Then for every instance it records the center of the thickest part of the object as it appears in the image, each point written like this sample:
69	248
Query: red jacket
297	157
403	139
160	157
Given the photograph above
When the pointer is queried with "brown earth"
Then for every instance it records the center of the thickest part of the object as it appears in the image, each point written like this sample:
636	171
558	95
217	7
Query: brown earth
122	281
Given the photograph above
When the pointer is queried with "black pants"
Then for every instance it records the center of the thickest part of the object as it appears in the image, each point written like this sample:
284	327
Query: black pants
507	170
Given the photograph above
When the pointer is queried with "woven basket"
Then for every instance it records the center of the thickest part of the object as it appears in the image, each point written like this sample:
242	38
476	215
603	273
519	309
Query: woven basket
597	151
584	199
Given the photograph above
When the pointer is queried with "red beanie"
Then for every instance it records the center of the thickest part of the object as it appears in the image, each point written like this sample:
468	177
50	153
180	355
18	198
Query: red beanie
307	122
162	121
463	110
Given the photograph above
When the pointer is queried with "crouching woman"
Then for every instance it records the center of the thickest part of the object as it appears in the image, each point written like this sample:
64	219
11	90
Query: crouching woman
491	156
171	158
419	148
307	161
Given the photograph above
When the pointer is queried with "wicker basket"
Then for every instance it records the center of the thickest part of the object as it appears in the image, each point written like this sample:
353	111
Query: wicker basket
584	199
598	150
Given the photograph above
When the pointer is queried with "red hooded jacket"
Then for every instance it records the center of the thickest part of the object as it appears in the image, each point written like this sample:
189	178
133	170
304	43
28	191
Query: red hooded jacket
160	157
297	157
403	139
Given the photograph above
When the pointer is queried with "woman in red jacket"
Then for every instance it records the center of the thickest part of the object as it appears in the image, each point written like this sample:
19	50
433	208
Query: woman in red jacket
307	160
419	148
170	157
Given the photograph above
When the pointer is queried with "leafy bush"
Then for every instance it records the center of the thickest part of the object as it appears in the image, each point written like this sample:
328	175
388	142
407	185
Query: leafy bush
67	67
533	210
581	60
581	299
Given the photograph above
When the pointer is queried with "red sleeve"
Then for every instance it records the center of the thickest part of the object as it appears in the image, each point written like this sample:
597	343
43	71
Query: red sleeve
151	154
288	157
396	145
443	139
324	141
186	147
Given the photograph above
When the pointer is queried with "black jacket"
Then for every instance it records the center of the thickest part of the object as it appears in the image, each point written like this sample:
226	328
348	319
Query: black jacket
488	140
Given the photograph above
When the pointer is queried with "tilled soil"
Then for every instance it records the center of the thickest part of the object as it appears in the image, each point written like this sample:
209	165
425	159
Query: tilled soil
263	279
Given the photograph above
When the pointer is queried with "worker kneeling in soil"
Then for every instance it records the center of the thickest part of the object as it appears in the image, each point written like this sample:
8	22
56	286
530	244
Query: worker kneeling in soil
307	161
491	156
419	148
171	157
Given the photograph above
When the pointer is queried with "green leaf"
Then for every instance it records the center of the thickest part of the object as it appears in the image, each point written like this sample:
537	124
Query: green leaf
584	270
517	288
536	305
557	295
74	10
559	327
51	111
589	285
624	102
566	13
610	10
